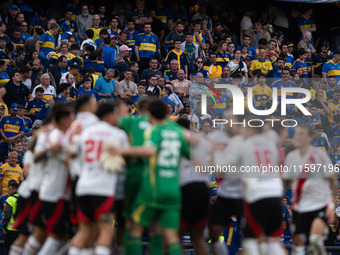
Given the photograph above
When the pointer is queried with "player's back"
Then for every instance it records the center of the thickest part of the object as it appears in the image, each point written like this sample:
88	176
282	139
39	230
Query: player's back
258	155
310	179
94	180
53	186
83	121
160	186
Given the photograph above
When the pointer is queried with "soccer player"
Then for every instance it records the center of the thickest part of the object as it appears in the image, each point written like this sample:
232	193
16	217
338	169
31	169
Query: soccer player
313	205
159	197
96	186
54	189
135	128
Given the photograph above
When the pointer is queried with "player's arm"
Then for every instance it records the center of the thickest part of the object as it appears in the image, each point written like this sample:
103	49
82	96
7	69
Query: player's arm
139	151
330	209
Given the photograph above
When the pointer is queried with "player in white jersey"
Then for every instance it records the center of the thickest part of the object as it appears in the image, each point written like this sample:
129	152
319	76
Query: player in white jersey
195	192
96	186
86	108
313	192
23	206
54	191
38	236
230	193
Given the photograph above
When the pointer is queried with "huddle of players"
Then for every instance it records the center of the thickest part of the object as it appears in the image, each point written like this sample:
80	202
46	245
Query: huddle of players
68	183
258	196
154	197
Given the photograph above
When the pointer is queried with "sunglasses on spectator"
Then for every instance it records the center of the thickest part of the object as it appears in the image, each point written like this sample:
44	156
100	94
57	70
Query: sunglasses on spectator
199	62
264	99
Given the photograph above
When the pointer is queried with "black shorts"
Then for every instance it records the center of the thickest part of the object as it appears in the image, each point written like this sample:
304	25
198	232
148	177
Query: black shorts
35	217
90	207
118	209
303	221
56	217
195	205
21	215
224	208
263	217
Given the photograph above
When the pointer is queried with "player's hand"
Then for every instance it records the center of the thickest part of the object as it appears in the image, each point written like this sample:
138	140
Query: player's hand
330	215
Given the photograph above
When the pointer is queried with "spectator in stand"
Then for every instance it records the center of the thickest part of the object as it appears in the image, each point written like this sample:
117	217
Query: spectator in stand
8	55
30	43
250	50
99	68
11	128
140	92
200	69
153	64
126	88
301	62
74	70
153	87
332	67
10	171
213	69
147	46
85	89
172	73
320	58
84	21
198	36
192	50
89	39
46	42
132	37
49	90
14	91
106	86
256	33
238	66
177	34
178	54
64	89
262	63
202	15
140	15
157	26
181	87
306	43
306	23
4	78
246	23
35	105
104	19
59	70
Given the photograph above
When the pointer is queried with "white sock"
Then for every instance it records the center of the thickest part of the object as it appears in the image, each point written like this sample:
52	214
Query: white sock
87	251
102	250
50	246
32	246
298	250
250	246
219	248
16	250
316	244
275	247
73	251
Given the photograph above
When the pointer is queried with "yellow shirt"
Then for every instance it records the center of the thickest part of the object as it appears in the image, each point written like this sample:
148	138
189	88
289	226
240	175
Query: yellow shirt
334	110
313	93
7	173
265	66
258	92
214	70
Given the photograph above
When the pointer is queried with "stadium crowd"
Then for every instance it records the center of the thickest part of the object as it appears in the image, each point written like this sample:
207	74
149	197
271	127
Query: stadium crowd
87	92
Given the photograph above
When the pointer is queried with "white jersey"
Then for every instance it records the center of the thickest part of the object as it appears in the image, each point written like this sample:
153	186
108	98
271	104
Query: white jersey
94	180
231	186
259	152
82	121
311	189
36	173
54	185
24	190
191	170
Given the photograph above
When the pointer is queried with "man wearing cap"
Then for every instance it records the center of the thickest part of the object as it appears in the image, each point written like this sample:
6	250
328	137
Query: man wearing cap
114	43
11	128
124	52
13	11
